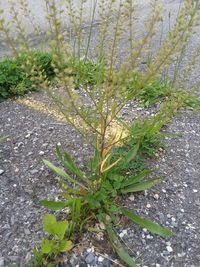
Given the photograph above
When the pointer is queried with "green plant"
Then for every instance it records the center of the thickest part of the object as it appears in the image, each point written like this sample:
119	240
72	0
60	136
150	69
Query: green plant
88	72
2	138
51	248
153	92
14	79
107	86
92	196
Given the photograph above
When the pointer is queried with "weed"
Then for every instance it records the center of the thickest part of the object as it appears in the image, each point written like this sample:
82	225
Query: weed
50	248
92	196
13	76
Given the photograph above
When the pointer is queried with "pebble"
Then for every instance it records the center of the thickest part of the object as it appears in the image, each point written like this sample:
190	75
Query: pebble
156	196
106	263
169	249
148	206
90	258
123	233
1	171
100	259
131	198
1	262
41	153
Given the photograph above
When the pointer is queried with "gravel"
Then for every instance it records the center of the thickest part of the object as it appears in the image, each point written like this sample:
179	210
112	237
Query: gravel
174	203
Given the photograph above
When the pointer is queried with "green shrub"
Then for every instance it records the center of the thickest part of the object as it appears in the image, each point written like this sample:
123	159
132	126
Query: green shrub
14	79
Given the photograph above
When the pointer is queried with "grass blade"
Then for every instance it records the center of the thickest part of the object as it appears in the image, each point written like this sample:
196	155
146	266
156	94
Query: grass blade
149	225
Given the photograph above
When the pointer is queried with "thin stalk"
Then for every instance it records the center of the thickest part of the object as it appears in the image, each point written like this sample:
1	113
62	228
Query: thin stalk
90	32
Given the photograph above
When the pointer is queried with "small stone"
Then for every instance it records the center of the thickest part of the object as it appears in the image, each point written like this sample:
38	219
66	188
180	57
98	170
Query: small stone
41	153
1	262
169	249
27	136
180	255
90	258
195	191
33	171
131	198
27	232
123	233
156	196
158	265
148	206
1	171
106	263
100	259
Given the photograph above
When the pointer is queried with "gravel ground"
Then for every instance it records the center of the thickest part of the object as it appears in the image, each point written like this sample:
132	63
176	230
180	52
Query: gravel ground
174	203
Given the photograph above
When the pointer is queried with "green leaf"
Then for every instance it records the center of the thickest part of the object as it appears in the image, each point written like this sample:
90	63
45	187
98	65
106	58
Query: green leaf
136	178
67	161
141	186
65	245
49	222
149	225
124	256
60	172
60	229
132	153
47	246
52	227
53	205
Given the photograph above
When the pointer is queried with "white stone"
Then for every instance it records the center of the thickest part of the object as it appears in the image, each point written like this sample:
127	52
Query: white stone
131	198
156	196
100	259
195	191
41	153
1	171
169	249
148	206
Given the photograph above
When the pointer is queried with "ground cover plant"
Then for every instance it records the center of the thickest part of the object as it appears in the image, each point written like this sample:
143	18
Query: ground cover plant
91	95
13	76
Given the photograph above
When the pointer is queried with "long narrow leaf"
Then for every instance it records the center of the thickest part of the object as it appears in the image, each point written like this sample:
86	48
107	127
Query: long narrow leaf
53	205
67	161
61	172
136	178
132	153
124	256
149	225
141	186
